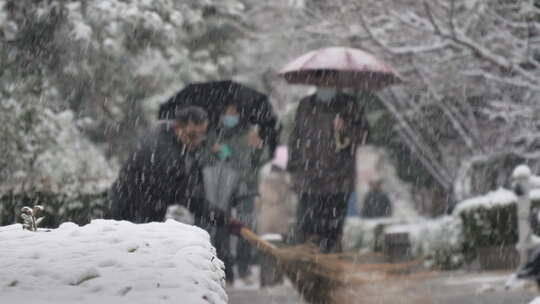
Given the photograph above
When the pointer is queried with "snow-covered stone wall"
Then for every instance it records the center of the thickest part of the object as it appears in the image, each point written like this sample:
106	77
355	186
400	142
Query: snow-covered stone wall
110	262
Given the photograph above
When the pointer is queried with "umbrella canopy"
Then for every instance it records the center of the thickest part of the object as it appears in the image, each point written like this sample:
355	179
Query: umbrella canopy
254	107
214	96
340	67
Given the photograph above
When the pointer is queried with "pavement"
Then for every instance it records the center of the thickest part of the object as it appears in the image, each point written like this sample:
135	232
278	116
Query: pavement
457	287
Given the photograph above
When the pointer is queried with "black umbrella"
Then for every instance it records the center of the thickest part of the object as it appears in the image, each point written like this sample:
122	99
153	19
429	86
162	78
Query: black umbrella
254	107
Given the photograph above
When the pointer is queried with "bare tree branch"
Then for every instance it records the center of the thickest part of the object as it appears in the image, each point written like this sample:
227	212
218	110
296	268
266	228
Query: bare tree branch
427	8
451	22
426	155
509	81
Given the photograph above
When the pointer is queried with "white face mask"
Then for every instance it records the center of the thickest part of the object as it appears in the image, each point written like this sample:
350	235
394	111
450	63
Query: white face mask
326	94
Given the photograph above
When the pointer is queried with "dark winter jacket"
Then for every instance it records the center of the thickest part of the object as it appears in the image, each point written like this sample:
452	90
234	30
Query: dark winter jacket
376	204
316	165
159	173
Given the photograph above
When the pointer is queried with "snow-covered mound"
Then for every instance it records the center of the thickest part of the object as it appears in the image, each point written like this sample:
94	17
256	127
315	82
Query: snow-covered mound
500	197
110	262
495	198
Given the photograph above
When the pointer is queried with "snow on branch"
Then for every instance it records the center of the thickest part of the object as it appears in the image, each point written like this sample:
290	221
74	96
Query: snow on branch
460	57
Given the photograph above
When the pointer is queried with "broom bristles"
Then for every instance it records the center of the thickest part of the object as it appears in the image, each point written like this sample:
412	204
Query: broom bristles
319	276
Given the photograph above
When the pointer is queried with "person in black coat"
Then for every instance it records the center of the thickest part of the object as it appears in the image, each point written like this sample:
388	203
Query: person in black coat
164	170
377	203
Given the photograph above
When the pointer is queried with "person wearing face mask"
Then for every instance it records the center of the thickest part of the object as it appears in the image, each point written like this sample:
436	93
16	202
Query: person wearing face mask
238	146
328	127
164	170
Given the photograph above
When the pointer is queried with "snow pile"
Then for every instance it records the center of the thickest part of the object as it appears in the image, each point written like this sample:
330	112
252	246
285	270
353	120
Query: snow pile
535	301
110	262
495	198
522	171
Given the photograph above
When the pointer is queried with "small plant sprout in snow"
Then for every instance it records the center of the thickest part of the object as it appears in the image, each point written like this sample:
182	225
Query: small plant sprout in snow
29	215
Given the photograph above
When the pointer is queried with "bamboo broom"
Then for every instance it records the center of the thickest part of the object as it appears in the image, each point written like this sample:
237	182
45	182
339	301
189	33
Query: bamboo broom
320	277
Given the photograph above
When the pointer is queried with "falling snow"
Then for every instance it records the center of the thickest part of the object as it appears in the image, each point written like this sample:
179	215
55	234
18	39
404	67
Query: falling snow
81	81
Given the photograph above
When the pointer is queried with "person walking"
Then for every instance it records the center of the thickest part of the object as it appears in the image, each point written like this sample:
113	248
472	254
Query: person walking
239	147
328	127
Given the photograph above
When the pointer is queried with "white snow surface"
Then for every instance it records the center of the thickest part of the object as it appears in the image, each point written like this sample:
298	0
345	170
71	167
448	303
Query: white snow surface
535	301
110	262
495	198
521	171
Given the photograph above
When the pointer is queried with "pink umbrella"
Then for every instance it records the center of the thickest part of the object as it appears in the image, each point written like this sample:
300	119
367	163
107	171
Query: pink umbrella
340	67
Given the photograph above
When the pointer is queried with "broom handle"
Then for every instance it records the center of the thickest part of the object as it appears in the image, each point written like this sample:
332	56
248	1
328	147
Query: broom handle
257	241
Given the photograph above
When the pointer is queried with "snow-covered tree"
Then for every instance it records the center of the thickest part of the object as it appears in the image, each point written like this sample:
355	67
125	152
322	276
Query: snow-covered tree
79	80
472	75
